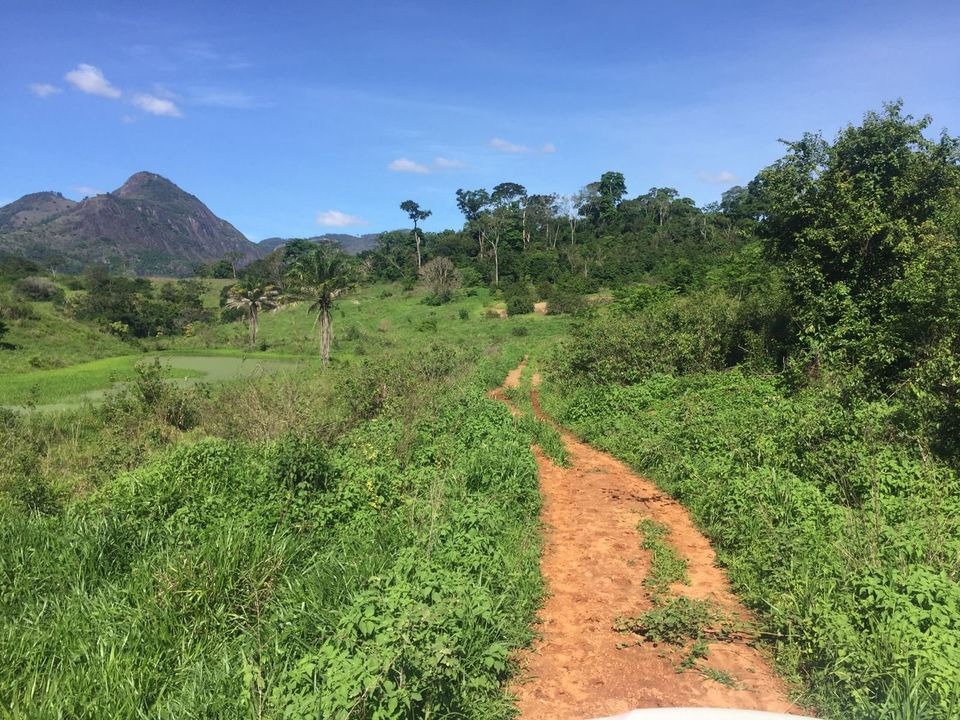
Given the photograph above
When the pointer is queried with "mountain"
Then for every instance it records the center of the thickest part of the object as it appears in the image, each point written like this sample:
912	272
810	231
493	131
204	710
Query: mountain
33	208
351	244
148	226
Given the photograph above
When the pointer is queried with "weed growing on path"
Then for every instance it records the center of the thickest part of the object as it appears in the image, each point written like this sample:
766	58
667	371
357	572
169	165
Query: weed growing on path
667	566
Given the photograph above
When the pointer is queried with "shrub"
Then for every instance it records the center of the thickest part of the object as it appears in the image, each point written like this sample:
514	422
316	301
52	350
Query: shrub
299	462
442	277
519	299
675	335
38	288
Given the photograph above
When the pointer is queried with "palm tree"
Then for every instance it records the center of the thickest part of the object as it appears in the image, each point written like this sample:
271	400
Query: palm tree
252	298
324	274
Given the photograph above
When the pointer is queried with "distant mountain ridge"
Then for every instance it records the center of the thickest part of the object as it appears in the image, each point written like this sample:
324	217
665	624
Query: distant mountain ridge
351	244
33	208
147	226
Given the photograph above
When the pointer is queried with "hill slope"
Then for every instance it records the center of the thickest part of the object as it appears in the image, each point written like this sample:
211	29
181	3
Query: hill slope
148	226
352	244
32	209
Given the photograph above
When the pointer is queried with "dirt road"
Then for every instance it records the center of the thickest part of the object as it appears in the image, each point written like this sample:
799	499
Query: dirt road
594	567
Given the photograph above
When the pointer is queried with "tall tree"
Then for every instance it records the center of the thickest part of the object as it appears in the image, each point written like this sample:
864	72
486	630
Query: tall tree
252	298
473	203
506	198
416	214
611	188
323	274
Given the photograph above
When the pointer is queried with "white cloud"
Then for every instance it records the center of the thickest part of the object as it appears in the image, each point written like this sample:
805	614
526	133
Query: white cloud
406	165
549	148
87	191
507	146
447	163
724	177
90	79
44	89
128	119
335	218
157	106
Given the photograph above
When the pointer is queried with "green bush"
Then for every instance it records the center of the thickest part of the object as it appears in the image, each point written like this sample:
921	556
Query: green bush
519	298
38	288
675	335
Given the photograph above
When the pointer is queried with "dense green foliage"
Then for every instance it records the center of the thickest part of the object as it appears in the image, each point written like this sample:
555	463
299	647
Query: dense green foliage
387	574
803	405
135	307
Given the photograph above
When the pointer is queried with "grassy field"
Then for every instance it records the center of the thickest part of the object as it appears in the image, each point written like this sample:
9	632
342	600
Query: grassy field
50	340
360	541
371	321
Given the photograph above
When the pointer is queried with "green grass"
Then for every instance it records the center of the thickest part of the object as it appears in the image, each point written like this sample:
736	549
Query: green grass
52	340
667	566
305	544
395	567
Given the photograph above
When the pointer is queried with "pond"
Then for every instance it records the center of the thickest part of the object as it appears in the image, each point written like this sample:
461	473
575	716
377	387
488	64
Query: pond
92	382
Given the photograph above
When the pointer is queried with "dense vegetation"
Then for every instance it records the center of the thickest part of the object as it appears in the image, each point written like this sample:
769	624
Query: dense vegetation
807	413
357	537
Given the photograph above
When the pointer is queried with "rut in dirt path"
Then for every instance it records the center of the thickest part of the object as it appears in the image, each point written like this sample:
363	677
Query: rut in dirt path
594	567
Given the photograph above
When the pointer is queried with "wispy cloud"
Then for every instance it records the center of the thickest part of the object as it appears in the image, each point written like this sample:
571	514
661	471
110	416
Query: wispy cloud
157	105
44	89
445	163
507	146
337	219
87	191
512	147
219	98
723	177
408	166
90	79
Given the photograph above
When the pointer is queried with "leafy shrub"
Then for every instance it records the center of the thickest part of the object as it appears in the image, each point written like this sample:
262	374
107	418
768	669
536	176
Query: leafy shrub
38	288
471	278
519	298
463	314
300	462
561	302
674	335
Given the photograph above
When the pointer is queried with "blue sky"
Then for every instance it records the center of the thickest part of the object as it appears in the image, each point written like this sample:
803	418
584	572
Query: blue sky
294	119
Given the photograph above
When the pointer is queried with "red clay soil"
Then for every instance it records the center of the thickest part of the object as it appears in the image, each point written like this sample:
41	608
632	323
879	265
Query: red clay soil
594	567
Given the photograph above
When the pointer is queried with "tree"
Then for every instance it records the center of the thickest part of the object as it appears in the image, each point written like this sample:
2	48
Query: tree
441	276
252	298
542	212
506	199
233	257
417	215
866	232
324	274
611	188
473	203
